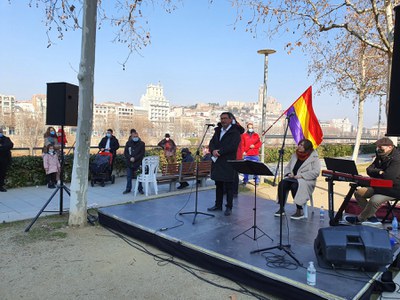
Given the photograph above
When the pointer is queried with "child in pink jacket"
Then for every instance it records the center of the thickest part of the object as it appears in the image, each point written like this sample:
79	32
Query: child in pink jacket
52	166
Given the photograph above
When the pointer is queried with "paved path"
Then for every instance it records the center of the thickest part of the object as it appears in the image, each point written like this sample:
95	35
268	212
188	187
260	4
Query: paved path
24	203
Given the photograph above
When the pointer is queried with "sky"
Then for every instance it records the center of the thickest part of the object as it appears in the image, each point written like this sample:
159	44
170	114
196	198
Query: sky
195	53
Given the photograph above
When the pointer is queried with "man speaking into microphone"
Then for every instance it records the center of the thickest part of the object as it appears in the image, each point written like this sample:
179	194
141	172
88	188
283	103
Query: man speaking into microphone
223	147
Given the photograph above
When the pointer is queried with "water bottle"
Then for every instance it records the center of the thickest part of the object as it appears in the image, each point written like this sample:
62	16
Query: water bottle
322	215
311	274
395	225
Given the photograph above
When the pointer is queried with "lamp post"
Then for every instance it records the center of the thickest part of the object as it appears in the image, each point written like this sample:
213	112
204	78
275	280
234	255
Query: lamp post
265	52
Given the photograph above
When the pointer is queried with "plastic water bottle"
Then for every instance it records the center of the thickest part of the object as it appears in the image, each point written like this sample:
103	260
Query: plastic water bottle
395	225
311	274
322	215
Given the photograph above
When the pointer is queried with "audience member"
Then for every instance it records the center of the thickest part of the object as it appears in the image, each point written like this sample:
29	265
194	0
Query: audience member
169	147
51	166
186	158
251	144
5	158
110	144
134	153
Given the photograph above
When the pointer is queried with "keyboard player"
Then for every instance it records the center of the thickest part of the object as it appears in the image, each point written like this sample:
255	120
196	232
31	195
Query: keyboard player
386	165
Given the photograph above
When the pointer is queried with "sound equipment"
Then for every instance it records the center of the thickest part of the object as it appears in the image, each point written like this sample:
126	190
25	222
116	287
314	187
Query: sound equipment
353	247
393	124
62	104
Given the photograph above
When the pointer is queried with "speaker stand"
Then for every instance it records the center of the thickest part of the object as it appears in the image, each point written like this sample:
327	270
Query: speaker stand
60	188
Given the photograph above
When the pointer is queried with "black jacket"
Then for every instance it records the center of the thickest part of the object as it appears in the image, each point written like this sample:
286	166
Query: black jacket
114	144
221	170
135	150
5	149
390	165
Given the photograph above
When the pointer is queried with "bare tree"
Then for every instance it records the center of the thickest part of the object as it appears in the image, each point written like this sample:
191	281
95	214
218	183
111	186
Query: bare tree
308	19
352	68
64	15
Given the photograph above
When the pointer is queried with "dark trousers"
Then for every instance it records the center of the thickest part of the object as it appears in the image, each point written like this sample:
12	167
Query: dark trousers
131	174
219	193
286	185
3	171
51	178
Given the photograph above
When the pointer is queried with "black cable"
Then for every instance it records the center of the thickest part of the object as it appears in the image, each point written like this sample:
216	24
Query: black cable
163	259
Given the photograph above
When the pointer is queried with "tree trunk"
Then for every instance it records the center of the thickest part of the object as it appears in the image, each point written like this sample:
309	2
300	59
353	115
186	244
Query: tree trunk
79	184
360	125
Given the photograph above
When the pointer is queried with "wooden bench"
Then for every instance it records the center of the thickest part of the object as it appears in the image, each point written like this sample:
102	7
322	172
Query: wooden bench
169	174
188	171
173	173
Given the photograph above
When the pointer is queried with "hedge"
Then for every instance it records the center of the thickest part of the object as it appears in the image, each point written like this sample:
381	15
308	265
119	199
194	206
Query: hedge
28	170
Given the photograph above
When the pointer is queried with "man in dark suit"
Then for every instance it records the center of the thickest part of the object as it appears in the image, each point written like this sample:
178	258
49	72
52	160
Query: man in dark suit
5	157
223	147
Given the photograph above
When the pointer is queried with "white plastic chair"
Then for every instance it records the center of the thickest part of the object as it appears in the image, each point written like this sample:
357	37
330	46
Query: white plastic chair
149	175
305	207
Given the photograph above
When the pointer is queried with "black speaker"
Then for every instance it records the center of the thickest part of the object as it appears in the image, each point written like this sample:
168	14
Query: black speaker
393	124
353	247
62	104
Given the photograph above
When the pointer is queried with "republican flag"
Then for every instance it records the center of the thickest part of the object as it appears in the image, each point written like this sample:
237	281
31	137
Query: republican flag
303	122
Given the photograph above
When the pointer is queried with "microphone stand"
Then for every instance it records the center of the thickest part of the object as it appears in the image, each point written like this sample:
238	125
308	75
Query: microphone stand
280	246
197	157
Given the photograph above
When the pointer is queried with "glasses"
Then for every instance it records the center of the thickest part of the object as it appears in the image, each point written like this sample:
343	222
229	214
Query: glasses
224	118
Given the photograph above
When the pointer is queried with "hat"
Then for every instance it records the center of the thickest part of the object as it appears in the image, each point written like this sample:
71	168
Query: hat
185	150
384	142
167	135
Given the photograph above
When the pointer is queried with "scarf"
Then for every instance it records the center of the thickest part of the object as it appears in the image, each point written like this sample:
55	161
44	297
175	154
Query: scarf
302	155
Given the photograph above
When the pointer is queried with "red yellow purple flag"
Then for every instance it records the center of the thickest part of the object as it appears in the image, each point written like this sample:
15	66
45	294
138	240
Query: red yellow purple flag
303	122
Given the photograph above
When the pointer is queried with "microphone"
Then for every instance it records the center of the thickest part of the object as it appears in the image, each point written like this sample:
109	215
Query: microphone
213	125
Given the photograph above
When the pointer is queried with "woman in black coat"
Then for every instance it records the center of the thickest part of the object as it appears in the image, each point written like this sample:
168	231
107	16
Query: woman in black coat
5	157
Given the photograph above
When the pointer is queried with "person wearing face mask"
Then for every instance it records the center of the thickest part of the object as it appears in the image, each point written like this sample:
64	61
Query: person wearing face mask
110	144
386	165
5	157
50	138
251	144
51	166
169	147
60	134
186	157
134	153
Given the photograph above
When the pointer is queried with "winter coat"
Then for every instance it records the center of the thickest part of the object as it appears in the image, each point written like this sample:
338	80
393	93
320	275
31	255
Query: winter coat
249	139
5	149
114	144
309	171
171	151
51	163
221	170
390	165
135	150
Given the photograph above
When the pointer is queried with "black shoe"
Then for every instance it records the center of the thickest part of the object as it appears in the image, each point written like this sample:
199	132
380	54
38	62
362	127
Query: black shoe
278	213
182	185
141	192
126	192
214	208
3	189
228	211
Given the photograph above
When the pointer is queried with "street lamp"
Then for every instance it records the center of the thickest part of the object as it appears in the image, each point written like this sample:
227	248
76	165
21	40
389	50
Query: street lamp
265	52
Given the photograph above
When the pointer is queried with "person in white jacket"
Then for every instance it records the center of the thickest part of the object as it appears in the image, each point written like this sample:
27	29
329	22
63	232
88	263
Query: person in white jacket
300	177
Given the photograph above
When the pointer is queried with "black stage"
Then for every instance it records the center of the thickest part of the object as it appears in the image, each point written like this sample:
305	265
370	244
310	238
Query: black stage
209	243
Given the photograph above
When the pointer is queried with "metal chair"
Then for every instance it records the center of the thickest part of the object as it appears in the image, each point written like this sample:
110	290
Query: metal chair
148	176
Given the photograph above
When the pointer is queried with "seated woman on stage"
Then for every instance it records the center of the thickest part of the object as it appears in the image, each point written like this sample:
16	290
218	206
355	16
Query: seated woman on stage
300	177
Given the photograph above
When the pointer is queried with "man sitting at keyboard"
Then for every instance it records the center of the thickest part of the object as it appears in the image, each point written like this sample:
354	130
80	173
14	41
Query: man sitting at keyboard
386	165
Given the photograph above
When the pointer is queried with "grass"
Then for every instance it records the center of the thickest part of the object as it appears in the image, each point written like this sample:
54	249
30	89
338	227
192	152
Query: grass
46	228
